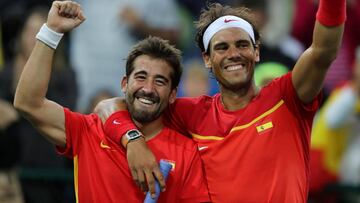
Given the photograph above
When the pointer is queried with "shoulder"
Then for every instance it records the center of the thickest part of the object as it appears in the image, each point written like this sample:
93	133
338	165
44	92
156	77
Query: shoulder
195	101
73	118
280	81
279	86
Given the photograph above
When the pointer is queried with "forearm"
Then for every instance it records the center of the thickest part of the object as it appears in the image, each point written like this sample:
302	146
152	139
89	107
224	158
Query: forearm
45	115
34	80
328	30
106	107
326	43
310	70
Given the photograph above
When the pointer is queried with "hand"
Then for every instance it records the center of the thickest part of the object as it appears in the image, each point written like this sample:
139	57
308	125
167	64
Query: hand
143	166
64	16
8	114
106	107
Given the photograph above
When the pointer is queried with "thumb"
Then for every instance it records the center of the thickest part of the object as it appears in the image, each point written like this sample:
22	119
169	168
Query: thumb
80	18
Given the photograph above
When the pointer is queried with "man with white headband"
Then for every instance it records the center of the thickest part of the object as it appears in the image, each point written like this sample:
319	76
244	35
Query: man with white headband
101	174
254	143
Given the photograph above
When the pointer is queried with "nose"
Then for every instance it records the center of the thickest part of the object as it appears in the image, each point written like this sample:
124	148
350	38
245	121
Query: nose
148	86
233	52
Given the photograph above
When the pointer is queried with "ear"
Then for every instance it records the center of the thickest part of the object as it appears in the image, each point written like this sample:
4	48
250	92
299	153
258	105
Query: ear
172	96
124	83
257	53
206	59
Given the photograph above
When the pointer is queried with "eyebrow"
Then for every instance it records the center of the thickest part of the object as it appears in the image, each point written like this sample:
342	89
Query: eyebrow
162	77
226	43
142	72
217	45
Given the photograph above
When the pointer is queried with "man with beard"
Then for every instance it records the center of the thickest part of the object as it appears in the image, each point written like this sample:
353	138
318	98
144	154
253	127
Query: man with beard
101	171
254	143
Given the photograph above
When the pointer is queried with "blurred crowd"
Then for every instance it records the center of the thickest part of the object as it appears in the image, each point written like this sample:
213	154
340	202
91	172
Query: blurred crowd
89	65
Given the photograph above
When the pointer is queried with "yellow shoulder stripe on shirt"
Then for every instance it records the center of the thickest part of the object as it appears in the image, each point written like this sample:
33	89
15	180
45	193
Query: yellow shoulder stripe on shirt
201	137
258	118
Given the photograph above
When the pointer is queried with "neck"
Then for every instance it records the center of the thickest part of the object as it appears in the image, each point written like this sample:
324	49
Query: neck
151	129
238	99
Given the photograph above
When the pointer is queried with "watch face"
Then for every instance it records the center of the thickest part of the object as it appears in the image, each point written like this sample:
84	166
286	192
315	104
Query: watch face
133	134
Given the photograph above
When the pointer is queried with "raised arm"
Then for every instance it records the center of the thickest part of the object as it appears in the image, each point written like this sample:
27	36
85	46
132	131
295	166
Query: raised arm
45	115
310	70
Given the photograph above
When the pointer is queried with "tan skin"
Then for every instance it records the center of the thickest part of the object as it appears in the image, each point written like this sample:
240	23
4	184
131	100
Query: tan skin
48	117
237	87
232	59
151	76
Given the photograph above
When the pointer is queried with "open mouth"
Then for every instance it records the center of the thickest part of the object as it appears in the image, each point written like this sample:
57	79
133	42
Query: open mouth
235	67
146	101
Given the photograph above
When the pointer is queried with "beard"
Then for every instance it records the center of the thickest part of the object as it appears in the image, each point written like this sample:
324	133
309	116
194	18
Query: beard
144	115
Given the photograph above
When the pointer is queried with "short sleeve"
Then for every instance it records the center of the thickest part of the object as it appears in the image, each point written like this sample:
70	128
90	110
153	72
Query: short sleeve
181	113
292	100
75	125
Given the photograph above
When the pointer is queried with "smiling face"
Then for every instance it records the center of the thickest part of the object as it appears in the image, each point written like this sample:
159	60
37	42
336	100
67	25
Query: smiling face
148	88
232	58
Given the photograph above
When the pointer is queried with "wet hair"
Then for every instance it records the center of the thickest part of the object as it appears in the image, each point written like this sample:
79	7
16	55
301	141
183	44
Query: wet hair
157	48
215	11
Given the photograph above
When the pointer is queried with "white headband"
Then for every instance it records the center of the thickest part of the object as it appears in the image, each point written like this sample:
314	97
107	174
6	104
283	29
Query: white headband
224	22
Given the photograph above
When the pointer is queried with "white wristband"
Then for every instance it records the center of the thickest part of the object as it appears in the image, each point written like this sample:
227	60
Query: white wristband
49	36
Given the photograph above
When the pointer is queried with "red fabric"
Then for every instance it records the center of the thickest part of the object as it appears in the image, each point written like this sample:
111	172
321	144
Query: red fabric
331	12
118	124
320	176
241	163
102	172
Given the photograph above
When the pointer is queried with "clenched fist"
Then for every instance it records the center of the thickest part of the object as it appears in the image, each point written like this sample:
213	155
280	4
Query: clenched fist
64	16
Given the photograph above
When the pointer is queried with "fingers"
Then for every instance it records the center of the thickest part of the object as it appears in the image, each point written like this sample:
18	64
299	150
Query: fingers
145	179
160	178
69	9
141	180
135	177
150	183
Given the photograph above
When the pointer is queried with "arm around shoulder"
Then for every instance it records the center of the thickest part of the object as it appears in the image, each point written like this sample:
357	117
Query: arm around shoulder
107	107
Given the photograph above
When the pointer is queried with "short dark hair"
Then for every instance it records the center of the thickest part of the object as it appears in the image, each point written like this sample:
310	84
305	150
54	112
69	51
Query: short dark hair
215	11
158	48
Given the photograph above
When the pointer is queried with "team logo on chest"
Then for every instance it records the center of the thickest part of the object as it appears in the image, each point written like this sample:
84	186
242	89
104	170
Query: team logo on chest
264	127
172	164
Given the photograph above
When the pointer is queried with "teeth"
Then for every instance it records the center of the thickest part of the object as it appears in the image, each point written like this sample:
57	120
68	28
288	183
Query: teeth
232	68
145	101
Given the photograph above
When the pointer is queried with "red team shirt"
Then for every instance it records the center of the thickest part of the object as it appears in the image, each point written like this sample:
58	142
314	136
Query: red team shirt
102	173
256	154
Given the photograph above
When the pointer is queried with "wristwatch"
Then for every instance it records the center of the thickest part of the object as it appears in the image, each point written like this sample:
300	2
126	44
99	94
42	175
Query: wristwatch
130	136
